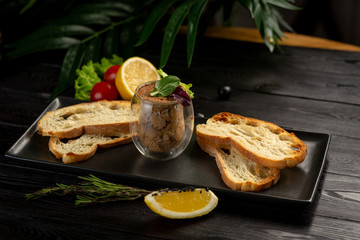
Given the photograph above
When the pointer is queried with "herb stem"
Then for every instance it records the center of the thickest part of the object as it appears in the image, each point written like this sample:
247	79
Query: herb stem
108	28
92	190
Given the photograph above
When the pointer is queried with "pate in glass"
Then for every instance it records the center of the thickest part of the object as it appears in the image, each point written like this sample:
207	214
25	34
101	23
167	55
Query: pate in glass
164	127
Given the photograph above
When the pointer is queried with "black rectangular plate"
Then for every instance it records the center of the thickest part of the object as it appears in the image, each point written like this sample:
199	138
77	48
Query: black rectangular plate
192	168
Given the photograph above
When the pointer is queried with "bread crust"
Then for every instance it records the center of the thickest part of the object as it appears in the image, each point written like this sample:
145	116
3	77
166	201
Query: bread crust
72	157
229	180
94	128
297	156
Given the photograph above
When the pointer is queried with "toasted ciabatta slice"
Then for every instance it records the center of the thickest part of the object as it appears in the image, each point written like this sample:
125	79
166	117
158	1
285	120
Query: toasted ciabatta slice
102	117
238	172
84	147
260	141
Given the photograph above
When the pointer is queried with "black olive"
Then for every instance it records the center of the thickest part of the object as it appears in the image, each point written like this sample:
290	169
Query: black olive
224	92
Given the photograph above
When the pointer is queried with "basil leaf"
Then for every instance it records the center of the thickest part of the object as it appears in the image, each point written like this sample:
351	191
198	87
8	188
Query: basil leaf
165	86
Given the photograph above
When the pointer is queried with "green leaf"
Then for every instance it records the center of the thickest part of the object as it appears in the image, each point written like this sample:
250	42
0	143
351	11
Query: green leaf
105	63
92	52
86	79
208	16
107	9
193	21
186	88
83	19
283	4
172	29
156	14
124	5
228	7
28	5
282	20
111	43
165	86
127	39
43	45
72	61
258	17
55	31
247	3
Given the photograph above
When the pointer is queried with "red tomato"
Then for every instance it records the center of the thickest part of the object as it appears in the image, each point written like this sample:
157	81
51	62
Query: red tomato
103	91
110	74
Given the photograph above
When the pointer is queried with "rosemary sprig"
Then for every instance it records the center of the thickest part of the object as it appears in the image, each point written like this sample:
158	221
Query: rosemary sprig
92	190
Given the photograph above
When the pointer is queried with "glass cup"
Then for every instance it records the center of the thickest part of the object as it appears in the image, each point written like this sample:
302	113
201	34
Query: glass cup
164	127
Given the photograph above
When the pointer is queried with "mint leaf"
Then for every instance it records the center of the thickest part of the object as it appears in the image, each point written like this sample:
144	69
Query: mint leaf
165	86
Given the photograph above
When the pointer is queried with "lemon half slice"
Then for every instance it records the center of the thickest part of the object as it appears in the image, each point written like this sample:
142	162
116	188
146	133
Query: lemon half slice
182	204
133	72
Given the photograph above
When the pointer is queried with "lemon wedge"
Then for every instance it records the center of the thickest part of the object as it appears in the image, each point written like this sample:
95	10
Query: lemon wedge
133	72
180	204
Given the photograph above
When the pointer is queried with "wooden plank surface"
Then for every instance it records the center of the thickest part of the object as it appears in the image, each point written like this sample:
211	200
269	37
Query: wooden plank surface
305	89
290	39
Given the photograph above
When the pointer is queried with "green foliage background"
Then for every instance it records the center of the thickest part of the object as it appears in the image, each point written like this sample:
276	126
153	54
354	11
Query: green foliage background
92	29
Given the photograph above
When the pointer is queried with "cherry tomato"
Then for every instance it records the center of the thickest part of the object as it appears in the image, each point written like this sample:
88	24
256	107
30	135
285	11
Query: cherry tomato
110	74
103	91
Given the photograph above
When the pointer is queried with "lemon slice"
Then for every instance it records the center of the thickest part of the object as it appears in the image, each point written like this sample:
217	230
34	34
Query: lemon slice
133	72
182	204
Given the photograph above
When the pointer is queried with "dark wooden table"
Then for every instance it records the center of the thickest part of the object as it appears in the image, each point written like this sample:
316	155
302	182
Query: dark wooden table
307	89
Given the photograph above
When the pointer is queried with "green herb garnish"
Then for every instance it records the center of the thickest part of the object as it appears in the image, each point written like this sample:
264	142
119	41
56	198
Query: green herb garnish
185	87
165	86
92	190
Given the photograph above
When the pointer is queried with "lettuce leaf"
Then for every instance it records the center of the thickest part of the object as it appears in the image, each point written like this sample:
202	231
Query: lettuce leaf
162	73
92	73
105	63
186	88
87	78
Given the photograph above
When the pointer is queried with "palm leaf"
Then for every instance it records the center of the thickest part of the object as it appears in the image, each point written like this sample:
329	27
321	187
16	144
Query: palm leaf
111	43
83	19
72	61
281	20
211	9
92	52
127	39
193	21
156	14
106	9
228	7
43	45
28	6
283	4
172	29
55	31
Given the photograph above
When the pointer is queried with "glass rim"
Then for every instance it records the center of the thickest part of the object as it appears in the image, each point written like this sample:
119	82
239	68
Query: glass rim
169	102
